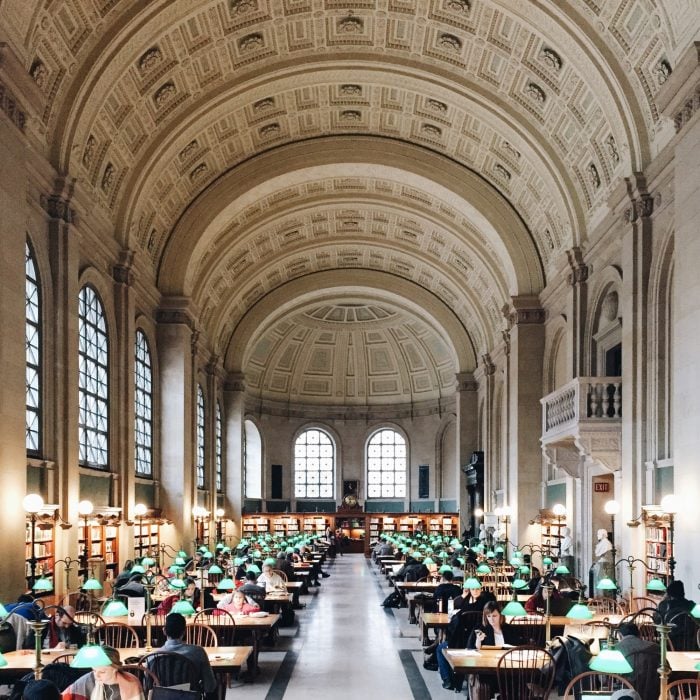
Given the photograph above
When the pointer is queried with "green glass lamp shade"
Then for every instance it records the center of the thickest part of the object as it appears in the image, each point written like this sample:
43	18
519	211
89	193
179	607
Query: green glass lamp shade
695	612
483	569
515	562
114	608
517	554
148	561
562	569
201	549
607	584
454	542
696	667
519	584
499	549
524	569
182	554
443	555
42	584
184	607
137	569
289	550
226	550
92	584
208	555
428	561
270	561
226	584
175	569
238	561
254	568
579	612
220	545
514	609
215	569
472	582
461	560
459	546
179	561
444	568
490	554
610	661
3	612
177	583
91	656
547	561
3	661
656	585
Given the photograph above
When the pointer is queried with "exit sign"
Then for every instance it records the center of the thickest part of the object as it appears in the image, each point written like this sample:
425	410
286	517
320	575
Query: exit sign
601	486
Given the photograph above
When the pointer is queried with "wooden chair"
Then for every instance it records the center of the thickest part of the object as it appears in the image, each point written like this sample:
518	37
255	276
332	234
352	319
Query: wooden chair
640	602
221	622
605	606
281	574
684	632
118	635
202	635
64	659
594	683
147	678
525	673
157	625
532	629
172	669
61	674
84	617
688	689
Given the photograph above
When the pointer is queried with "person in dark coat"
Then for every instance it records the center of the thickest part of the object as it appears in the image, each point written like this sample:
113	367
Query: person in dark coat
674	602
644	657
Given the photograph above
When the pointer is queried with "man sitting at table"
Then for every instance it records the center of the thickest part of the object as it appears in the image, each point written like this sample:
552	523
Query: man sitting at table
62	632
447	590
644	657
269	579
175	626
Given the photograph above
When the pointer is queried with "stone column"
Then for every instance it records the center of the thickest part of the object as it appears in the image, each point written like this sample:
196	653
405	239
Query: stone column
526	320
680	100
488	369
177	425
210	438
578	310
467	433
636	260
123	444
234	411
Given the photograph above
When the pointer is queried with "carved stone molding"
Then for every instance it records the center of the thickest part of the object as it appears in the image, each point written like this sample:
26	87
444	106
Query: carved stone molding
518	314
123	271
466	382
58	207
641	207
488	364
235	382
175	316
579	269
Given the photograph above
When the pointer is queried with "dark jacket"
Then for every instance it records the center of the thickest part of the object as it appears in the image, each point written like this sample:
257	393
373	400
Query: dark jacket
511	635
645	658
74	634
669	607
444	592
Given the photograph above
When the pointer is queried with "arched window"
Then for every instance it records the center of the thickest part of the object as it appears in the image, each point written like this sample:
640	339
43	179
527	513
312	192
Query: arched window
32	308
143	407
93	382
386	465
219	450
252	460
314	465
200	437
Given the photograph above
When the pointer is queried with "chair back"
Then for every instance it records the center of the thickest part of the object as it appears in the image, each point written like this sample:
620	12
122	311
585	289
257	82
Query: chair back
688	689
221	621
684	631
532	629
147	678
281	574
172	669
84	617
525	673
61	674
64	658
202	635
605	606
118	635
641	602
595	682
157	624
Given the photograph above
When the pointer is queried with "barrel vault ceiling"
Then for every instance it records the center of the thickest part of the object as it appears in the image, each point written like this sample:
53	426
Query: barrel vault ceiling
458	147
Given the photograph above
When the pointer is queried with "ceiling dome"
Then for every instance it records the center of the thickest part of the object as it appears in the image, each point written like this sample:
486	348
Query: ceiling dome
350	353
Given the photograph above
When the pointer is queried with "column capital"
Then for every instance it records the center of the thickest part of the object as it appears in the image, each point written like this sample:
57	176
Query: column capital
58	207
524	310
123	271
466	381
235	381
579	269
175	310
488	365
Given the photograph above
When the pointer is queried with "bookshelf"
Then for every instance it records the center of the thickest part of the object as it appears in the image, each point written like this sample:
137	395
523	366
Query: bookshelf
44	552
551	533
316	525
146	539
657	544
99	542
286	525
254	525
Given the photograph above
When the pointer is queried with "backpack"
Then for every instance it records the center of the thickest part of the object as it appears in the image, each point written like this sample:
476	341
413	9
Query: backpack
393	600
571	657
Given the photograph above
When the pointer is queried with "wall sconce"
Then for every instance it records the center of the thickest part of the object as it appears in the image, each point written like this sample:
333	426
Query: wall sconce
200	515
32	504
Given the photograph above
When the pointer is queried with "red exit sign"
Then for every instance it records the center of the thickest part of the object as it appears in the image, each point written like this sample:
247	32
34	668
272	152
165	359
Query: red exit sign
601	486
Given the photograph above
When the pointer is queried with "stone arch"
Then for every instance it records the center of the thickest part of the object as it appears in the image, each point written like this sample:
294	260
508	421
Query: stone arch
338	452
604	324
555	354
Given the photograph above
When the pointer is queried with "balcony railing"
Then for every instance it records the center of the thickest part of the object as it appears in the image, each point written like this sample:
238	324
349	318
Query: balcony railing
584	399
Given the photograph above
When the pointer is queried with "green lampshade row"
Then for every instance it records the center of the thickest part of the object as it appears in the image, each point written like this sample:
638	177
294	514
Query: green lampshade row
114	608
472	582
90	656
547	561
483	569
176	583
137	569
610	661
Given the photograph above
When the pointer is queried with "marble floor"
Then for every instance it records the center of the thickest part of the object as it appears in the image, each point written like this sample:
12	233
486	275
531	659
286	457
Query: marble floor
345	644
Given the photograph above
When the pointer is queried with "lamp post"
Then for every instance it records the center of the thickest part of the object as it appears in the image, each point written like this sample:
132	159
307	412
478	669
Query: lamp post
200	514
140	511
85	509
559	511
612	508
664	666
219	515
32	504
631	564
670	507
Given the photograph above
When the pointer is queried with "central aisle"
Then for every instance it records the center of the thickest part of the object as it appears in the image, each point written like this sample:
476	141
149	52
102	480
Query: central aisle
348	643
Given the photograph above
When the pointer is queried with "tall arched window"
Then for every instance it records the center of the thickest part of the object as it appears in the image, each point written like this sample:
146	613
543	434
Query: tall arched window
32	308
252	460
314	465
386	465
219	449
93	382
143	407
200	437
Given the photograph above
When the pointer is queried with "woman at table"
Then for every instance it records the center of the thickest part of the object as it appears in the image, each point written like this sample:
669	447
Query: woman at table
105	682
237	604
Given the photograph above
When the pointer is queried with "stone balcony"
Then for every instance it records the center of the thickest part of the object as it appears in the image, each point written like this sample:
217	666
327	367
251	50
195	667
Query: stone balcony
583	417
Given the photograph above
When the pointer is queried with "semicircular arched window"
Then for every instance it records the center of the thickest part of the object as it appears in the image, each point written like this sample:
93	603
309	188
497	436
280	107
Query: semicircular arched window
386	465
143	407
314	465
32	303
200	438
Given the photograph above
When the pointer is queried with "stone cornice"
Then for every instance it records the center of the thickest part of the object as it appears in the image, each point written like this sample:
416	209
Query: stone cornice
679	96
123	271
579	269
523	310
235	382
58	207
466	381
20	96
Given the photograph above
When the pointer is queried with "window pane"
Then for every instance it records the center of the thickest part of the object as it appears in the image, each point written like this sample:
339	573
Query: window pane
33	354
252	460
93	384
386	465
143	402
200	438
314	464
219	438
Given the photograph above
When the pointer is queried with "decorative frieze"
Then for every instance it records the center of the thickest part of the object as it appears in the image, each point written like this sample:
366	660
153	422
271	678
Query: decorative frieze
175	316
